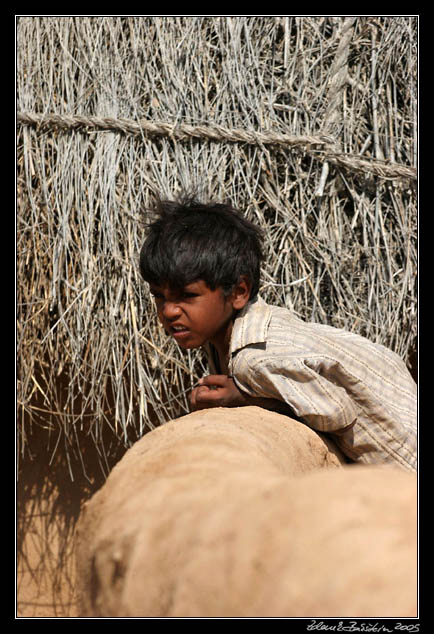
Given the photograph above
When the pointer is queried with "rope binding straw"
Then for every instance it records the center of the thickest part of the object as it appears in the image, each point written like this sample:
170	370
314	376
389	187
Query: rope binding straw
318	146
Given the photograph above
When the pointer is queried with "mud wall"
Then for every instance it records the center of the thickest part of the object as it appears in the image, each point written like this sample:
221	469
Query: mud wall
246	513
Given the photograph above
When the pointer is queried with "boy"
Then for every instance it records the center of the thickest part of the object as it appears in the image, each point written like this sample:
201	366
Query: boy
203	266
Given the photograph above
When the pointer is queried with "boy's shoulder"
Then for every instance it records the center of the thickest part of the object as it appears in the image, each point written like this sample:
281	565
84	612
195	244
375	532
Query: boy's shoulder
282	330
258	320
251	324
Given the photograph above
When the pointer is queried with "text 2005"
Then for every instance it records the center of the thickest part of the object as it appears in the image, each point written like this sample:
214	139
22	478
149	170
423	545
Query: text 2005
403	627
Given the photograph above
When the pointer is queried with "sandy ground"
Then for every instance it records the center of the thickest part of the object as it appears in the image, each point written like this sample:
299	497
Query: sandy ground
48	506
45	571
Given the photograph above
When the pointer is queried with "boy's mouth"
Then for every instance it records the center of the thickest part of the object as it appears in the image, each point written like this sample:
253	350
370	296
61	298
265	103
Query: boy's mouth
179	332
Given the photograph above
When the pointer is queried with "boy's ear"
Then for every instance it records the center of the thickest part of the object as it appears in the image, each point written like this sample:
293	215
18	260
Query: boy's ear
241	293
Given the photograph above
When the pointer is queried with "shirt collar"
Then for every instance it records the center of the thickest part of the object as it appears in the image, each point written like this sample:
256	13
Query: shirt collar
251	325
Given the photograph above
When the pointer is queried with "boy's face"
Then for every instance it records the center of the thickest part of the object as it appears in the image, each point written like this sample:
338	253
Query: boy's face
195	314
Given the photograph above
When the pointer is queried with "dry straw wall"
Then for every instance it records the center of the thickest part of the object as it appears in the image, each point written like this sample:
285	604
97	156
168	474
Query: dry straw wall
308	124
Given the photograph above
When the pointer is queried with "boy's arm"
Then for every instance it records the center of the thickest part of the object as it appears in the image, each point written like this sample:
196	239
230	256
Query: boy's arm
219	390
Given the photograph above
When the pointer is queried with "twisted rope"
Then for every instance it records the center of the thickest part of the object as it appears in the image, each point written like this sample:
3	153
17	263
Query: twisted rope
323	146
179	131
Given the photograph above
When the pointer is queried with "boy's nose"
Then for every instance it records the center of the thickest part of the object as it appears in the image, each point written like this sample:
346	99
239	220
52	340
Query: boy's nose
170	310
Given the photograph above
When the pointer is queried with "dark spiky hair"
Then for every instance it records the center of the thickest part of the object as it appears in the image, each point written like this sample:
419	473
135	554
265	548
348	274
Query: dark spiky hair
190	240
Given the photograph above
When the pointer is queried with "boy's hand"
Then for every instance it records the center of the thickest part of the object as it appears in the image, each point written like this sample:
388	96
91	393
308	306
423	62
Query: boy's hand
217	390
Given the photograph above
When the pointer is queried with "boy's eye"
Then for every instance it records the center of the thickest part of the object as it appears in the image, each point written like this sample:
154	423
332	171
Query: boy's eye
182	295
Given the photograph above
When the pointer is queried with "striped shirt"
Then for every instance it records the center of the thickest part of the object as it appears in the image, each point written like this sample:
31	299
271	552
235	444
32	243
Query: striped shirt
335	381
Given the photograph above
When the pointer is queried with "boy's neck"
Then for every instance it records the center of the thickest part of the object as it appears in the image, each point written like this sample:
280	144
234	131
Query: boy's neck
222	346
222	342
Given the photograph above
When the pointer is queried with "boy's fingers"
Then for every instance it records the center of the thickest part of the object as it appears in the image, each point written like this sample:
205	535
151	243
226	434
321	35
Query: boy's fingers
193	398
209	391
219	380
205	394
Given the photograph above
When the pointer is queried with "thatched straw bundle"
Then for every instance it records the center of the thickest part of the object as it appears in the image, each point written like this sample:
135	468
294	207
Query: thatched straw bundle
306	123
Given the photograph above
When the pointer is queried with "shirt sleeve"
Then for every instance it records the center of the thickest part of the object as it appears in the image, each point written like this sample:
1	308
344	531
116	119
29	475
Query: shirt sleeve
314	388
